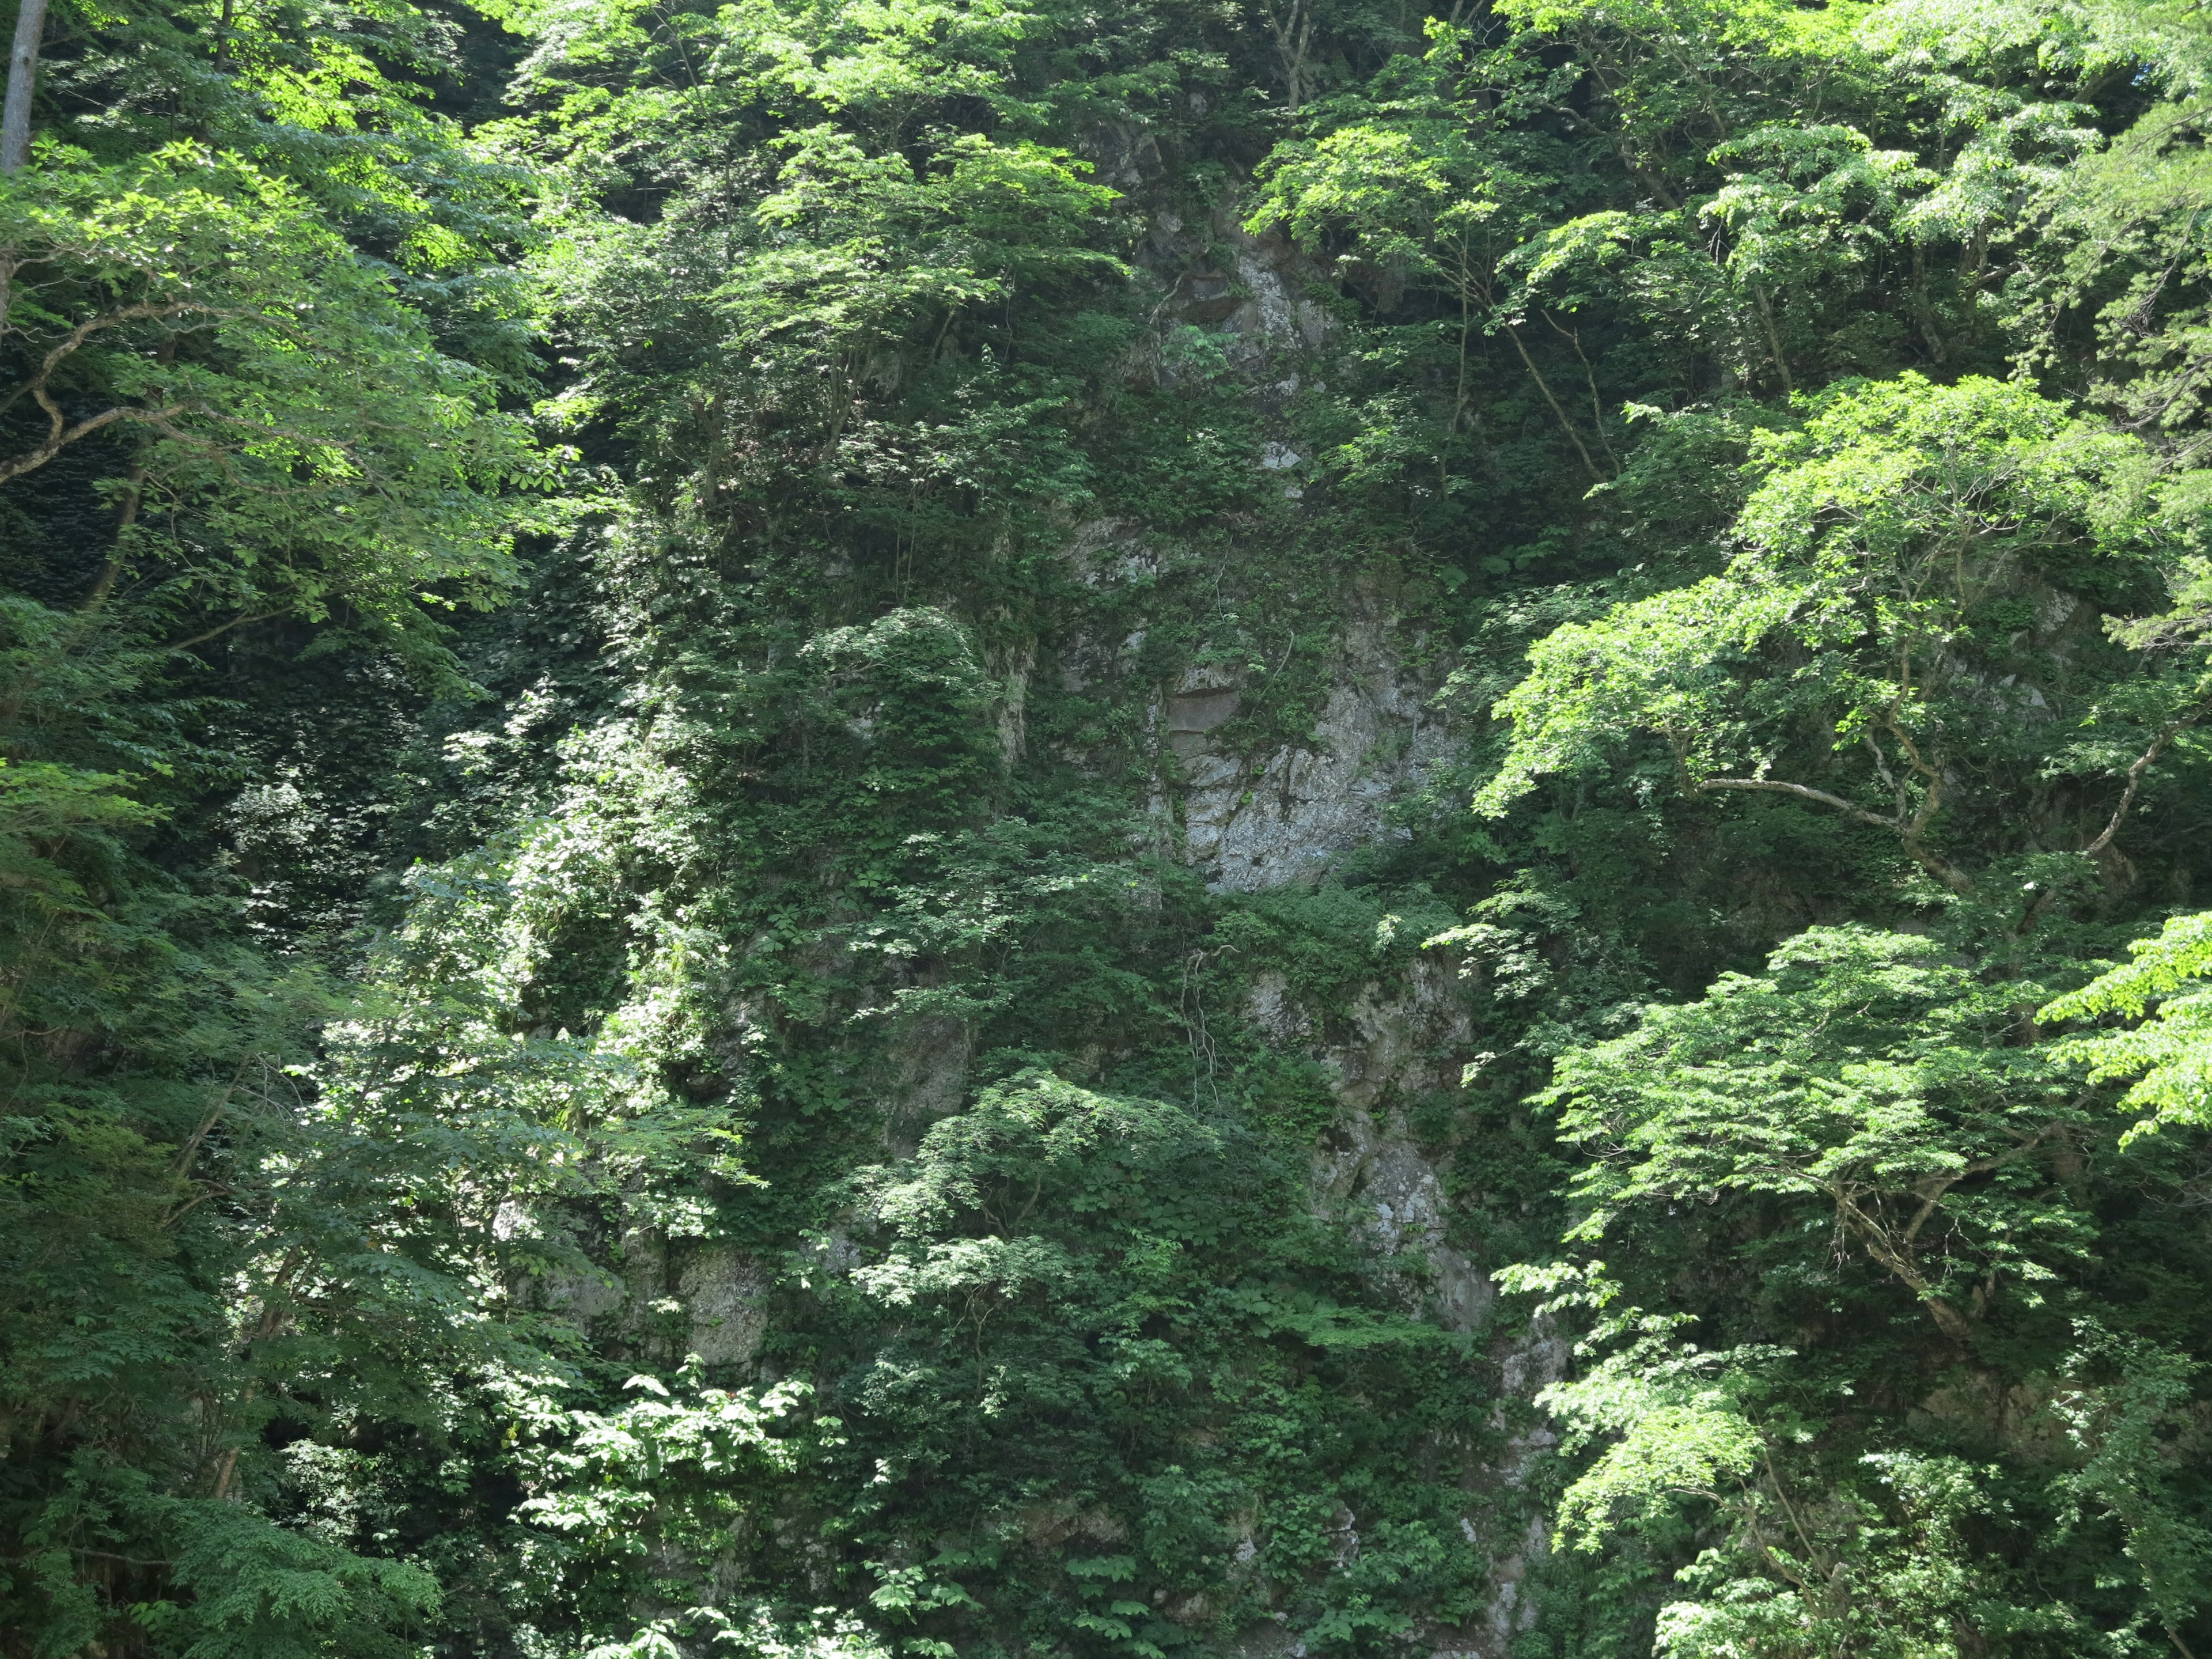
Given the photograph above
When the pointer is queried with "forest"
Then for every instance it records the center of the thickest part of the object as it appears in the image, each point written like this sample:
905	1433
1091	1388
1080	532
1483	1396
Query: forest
1041	829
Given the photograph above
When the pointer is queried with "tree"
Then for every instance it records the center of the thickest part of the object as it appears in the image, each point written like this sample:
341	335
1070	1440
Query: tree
1859	1122
23	75
1863	1072
1882	530
289	437
1435	189
228	401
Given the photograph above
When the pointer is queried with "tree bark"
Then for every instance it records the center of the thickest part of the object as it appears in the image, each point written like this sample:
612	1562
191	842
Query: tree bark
1907	830
1544	386
22	70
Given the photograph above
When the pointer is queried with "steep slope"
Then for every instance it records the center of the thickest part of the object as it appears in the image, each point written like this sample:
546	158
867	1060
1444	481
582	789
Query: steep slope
1271	857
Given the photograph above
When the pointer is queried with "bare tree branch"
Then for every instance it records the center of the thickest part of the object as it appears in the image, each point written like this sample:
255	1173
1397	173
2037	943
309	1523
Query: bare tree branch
1772	785
1544	386
92	325
1907	830
217	633
61	437
2136	776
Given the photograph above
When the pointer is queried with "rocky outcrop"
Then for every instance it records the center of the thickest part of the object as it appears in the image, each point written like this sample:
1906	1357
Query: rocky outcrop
661	1300
1255	822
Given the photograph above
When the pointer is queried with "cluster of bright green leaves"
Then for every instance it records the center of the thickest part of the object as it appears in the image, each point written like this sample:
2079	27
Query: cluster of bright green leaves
254	346
1679	201
1880	546
220	1246
291	438
1437	179
1864	1134
1801	1083
328	1247
676	1475
2169	1054
1123	1295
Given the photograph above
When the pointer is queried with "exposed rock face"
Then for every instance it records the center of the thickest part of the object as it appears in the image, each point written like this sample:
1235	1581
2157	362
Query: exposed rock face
1396	1196
1406	1041
1249	820
1286	819
724	1294
659	1298
1194	712
1251	289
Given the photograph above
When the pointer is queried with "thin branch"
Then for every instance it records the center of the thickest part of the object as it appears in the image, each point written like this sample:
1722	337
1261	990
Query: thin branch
1907	832
1875	1238
190	1205
84	331
1544	386
1766	1454
1574	338
1775	1557
1881	767
2135	780
1930	1202
215	1116
217	633
1771	785
60	437
1932	794
1774	338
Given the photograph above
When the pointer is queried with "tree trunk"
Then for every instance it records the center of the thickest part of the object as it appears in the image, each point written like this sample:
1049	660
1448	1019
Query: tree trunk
22	69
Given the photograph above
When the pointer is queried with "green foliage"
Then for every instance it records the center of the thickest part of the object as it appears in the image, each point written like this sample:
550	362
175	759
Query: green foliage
296	443
2167	1053
711	1110
253	372
1864	1072
1879	532
1858	1126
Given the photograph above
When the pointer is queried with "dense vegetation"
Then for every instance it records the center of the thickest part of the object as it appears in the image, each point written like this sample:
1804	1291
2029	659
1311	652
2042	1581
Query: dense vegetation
631	639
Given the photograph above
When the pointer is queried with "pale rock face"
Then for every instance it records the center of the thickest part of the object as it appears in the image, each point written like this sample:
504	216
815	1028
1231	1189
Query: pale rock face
1013	706
582	1296
1408	1040
1508	1612
1274	316
1255	822
1277	1013
720	1292
1414	1037
1203	702
1380	1181
725	1293
1125	154
1285	819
